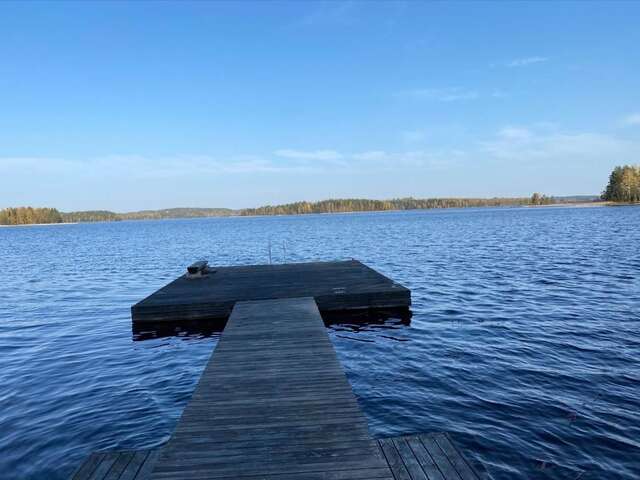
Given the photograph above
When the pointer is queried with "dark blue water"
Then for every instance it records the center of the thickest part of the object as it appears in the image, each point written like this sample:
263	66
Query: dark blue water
525	339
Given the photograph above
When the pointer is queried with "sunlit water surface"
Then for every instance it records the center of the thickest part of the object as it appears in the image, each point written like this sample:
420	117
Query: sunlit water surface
524	343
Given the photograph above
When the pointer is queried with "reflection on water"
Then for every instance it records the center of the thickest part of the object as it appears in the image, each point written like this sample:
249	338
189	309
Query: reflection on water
347	320
362	319
183	329
348	324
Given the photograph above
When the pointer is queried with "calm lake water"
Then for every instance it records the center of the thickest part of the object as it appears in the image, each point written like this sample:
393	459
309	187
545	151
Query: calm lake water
524	343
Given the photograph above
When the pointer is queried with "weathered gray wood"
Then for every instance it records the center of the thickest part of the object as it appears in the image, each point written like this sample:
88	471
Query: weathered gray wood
424	459
119	466
439	457
410	461
406	456
125	465
147	467
335	286
273	401
139	459
430	456
394	460
88	466
105	465
460	463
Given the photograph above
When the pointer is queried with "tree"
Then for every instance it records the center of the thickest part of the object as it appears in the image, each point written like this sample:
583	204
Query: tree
29	215
538	199
624	185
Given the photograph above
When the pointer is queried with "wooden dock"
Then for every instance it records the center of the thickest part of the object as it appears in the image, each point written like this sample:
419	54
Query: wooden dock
273	402
430	456
346	285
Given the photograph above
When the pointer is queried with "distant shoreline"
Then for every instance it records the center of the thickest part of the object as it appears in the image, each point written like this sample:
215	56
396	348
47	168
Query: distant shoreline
597	204
575	205
40	224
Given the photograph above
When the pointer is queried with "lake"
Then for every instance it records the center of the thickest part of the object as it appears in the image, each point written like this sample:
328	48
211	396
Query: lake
524	341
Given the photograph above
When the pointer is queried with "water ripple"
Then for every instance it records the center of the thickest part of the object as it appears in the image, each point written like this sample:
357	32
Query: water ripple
523	343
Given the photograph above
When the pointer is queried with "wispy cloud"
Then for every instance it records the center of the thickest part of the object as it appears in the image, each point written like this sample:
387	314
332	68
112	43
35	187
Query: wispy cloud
141	167
529	145
287	161
369	160
449	94
320	155
517	147
631	119
526	61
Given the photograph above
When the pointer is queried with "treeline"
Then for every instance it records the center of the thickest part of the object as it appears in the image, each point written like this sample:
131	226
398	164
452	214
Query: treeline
26	215
108	216
29	215
624	185
365	205
91	216
176	213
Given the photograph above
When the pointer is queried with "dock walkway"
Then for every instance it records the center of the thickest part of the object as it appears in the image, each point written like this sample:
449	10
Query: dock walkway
273	402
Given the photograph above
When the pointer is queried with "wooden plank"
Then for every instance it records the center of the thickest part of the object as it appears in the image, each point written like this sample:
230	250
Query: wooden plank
439	458
88	466
410	461
147	467
139	458
394	460
424	459
104	466
430	456
272	402
460	463
119	466
334	285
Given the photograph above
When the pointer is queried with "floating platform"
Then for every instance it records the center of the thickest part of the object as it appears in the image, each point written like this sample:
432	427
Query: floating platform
335	286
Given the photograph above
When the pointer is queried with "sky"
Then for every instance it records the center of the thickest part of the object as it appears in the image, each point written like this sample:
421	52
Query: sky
128	106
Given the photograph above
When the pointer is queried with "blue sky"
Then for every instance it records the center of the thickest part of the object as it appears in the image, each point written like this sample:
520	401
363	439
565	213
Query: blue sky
152	105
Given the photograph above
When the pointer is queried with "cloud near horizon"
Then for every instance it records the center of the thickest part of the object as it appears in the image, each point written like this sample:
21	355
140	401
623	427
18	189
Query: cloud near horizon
554	147
522	143
509	155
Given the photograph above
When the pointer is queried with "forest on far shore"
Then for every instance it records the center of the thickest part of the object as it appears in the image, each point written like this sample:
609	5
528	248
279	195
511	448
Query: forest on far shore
29	215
